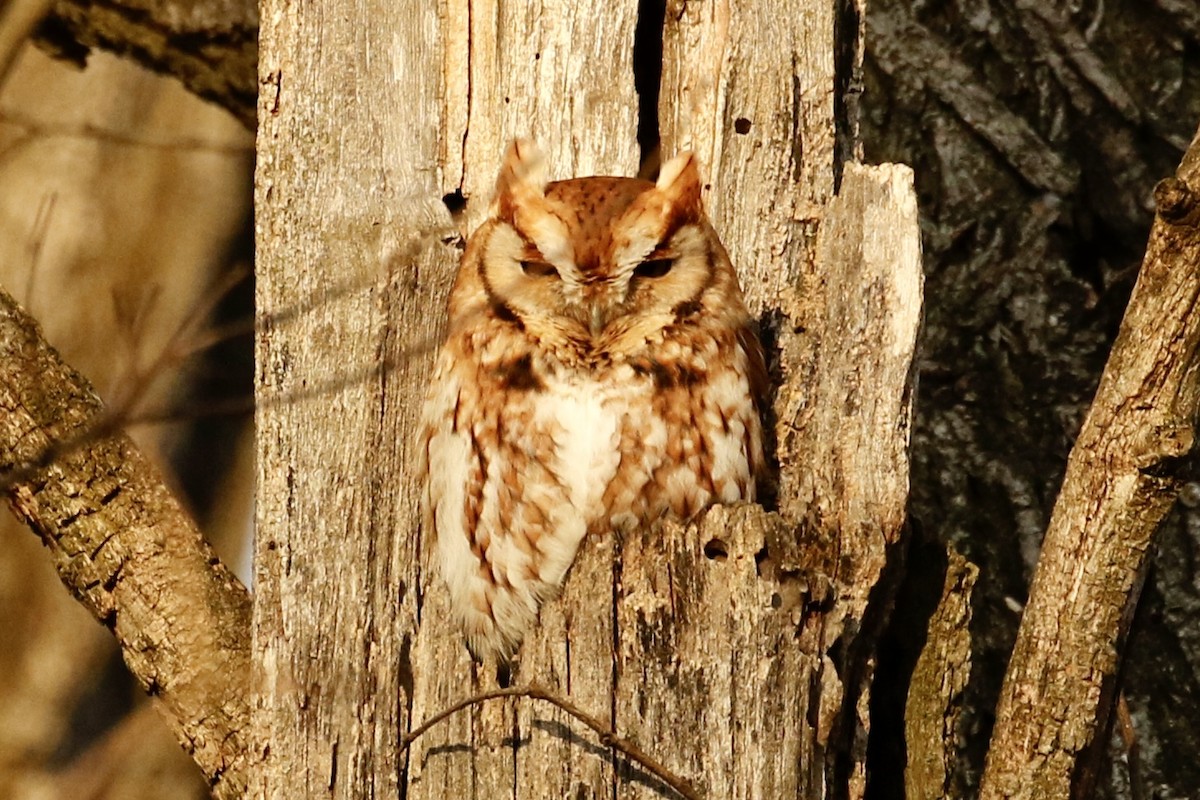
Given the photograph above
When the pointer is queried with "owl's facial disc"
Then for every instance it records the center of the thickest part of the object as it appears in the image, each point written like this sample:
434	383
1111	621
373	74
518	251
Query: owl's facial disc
604	263
524	283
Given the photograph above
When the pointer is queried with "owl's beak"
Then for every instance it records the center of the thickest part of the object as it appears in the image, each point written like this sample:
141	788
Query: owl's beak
598	306
598	319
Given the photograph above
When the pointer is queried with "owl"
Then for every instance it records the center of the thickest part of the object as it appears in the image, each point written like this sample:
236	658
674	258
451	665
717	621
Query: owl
600	371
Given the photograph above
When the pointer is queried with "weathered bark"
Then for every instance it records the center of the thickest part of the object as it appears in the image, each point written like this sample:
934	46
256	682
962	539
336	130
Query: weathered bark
540	71
752	93
348	188
931	715
127	550
715	658
211	46
845	411
758	96
1122	478
649	629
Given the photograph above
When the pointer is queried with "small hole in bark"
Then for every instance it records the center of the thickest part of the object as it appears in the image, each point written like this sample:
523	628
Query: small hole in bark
716	550
741	125
455	202
763	566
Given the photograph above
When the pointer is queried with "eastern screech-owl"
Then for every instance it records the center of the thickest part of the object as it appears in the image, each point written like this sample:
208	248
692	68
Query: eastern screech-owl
600	371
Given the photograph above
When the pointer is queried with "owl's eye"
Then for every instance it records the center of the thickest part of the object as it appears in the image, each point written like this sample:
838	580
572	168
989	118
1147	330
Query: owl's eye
538	269
654	268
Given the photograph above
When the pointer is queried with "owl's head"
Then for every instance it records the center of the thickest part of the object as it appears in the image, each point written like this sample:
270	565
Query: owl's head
600	262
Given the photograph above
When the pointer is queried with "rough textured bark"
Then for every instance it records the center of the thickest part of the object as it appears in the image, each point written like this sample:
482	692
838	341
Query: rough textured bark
675	651
335	524
772	132
349	244
752	94
541	71
126	549
121	193
931	716
845	410
211	46
1122	478
714	623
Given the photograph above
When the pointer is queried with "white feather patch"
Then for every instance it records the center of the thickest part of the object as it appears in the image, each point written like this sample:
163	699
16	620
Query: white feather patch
586	435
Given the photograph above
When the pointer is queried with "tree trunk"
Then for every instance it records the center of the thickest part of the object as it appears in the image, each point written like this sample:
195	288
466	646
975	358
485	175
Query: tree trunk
351	265
709	647
1039	130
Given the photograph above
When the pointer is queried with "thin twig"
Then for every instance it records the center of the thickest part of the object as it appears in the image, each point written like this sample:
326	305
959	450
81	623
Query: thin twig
44	129
1128	734
608	736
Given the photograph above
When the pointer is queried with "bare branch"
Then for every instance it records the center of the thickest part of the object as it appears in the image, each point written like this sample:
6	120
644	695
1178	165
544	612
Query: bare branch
1122	478
127	550
608	736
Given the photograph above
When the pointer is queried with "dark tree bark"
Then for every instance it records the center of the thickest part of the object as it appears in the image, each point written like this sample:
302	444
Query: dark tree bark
1037	134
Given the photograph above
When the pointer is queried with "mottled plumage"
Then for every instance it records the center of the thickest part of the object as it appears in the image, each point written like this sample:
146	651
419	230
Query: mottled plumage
600	371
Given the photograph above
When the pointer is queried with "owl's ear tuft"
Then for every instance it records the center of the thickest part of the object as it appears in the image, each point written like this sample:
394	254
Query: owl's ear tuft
679	182
522	178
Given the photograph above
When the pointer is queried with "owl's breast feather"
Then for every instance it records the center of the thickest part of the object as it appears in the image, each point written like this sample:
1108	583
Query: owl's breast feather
583	420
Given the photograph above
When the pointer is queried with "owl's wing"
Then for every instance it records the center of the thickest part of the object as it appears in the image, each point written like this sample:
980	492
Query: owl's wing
756	365
453	493
760	395
467	501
